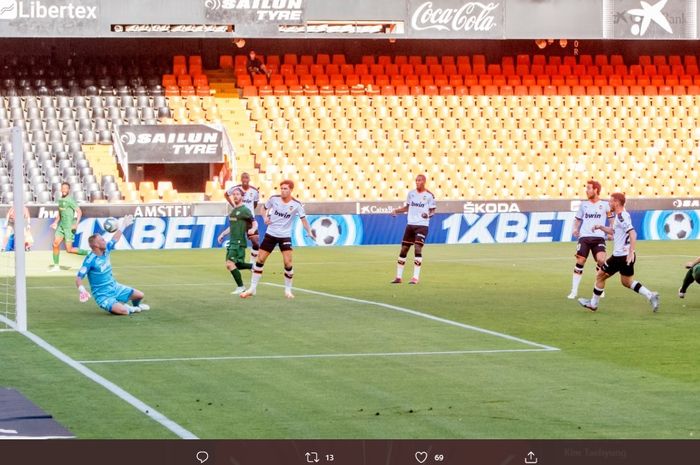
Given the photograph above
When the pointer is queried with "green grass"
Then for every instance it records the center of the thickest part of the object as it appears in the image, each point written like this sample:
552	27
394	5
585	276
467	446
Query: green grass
622	372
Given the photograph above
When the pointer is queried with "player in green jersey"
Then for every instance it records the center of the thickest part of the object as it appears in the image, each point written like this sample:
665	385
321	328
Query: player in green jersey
693	275
241	224
65	224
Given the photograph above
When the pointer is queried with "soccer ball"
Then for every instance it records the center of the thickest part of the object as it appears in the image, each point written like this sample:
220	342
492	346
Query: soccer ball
110	225
327	230
678	226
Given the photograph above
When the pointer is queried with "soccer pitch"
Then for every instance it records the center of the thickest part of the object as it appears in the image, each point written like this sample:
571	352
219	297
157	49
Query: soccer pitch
486	346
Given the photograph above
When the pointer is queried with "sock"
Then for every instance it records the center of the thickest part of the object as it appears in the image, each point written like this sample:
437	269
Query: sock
399	267
236	273
136	302
244	265
597	292
255	276
288	276
253	254
640	289
416	267
576	280
687	281
55	259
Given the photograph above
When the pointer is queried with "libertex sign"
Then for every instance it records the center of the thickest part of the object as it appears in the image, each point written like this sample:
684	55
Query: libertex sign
191	143
49	17
456	18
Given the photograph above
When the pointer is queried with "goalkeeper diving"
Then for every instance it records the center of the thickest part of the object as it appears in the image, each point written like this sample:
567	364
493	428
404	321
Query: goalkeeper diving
107	292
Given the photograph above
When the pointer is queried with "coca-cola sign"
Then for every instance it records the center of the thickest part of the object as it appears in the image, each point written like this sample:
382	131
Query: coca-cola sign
447	17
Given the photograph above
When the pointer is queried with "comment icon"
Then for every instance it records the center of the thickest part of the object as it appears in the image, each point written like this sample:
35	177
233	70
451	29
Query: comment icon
202	456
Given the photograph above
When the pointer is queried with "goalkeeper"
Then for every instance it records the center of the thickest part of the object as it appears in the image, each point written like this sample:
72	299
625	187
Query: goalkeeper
108	293
693	274
241	224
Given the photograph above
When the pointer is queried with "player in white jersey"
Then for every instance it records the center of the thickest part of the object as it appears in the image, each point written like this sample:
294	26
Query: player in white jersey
420	206
623	257
591	212
251	197
280	213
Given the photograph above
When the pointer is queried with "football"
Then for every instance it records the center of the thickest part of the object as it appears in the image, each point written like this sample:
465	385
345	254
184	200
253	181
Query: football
110	225
326	230
678	226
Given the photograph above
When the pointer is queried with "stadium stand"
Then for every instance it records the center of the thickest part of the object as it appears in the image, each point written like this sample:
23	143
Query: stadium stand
528	126
476	147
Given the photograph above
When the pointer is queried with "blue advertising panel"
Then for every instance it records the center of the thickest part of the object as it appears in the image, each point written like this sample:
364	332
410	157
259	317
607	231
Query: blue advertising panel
192	232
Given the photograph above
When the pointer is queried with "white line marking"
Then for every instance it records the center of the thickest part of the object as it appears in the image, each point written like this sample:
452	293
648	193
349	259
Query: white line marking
36	437
423	315
361	301
310	356
438	260
110	386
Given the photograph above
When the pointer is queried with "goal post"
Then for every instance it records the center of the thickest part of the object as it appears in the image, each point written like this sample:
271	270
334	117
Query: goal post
16	318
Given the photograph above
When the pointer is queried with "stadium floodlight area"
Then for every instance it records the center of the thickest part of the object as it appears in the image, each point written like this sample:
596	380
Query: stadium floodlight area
13	290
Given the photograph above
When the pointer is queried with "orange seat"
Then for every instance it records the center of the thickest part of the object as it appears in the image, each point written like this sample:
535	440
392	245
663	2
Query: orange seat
678	90
250	91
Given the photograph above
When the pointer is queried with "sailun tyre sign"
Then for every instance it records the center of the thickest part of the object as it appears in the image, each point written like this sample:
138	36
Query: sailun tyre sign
265	11
194	143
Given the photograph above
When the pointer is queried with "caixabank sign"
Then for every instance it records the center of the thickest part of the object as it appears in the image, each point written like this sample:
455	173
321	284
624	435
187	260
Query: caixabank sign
653	19
46	17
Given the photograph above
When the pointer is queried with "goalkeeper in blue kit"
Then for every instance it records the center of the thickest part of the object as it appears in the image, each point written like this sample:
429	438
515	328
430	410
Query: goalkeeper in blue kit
109	295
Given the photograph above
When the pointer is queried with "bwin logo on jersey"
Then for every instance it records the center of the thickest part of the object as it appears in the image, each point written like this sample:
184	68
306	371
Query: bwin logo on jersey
8	9
329	230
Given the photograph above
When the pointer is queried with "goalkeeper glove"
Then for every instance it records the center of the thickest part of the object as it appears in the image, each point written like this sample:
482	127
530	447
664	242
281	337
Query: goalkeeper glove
83	295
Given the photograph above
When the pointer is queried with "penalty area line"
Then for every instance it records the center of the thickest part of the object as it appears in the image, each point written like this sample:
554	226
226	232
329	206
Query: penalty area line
312	356
107	384
423	315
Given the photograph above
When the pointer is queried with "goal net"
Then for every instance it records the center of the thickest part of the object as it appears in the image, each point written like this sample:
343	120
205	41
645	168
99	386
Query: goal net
13	290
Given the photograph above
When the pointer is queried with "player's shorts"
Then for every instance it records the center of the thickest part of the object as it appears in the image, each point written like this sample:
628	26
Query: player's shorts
415	234
270	242
619	264
590	244
696	273
235	253
121	294
65	232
